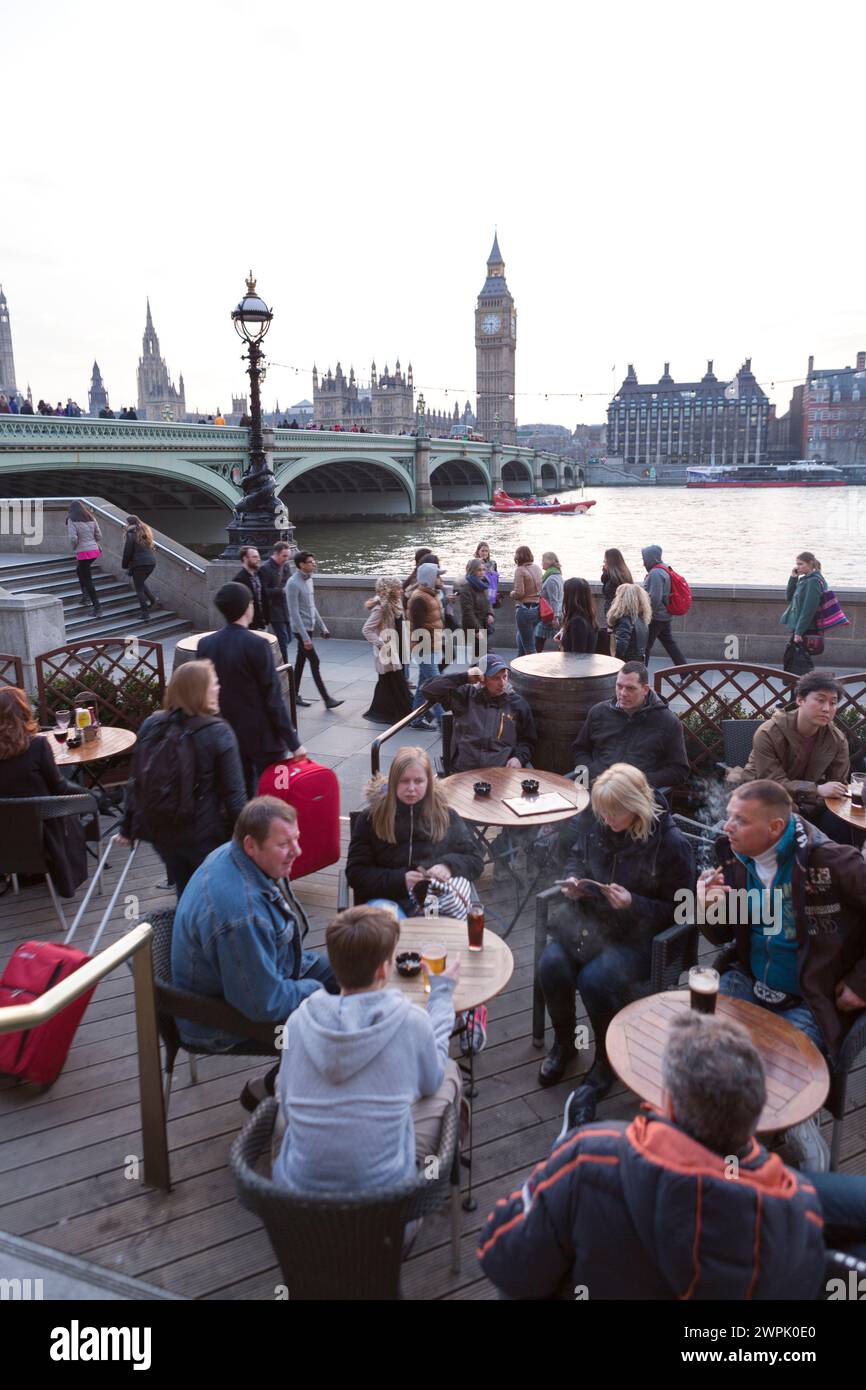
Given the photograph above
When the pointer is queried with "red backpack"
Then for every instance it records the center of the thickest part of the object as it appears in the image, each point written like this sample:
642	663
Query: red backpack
680	598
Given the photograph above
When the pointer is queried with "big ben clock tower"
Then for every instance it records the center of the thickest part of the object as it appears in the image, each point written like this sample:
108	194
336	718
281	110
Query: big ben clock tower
495	344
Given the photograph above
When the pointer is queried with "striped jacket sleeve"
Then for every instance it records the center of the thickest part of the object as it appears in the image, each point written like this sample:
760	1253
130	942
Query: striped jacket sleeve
527	1247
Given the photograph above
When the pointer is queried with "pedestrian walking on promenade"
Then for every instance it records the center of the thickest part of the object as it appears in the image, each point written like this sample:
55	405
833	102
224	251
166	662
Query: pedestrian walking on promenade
392	698
84	537
482	552
306	622
579	631
426	623
249	576
250	699
806	588
628	620
552	596
526	592
476	618
139	558
658	585
274	575
614	572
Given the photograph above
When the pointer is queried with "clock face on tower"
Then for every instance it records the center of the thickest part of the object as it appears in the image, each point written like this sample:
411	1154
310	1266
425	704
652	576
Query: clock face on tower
491	324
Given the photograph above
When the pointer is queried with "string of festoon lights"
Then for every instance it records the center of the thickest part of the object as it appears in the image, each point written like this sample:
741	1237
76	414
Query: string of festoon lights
461	392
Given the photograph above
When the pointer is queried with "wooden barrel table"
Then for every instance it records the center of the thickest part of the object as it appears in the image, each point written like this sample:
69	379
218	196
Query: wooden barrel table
187	648
560	688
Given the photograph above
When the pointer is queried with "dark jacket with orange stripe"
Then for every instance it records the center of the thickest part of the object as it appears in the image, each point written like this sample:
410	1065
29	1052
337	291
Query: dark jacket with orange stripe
645	1212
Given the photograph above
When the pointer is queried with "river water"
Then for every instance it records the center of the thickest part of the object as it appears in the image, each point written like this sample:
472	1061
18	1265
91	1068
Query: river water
736	536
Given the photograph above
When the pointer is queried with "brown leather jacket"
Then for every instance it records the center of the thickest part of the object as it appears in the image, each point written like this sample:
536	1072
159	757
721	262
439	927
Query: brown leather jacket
829	892
779	750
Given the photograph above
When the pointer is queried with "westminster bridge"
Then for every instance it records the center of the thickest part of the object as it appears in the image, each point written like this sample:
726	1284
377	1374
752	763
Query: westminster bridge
186	478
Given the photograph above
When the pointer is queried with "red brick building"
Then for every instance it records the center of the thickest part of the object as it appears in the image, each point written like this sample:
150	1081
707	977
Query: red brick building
834	413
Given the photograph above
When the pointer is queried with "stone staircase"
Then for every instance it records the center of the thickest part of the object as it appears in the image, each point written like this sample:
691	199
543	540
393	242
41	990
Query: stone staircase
121	615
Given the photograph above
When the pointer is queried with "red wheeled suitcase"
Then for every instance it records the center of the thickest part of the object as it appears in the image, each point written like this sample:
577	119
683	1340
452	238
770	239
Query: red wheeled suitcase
39	1053
314	792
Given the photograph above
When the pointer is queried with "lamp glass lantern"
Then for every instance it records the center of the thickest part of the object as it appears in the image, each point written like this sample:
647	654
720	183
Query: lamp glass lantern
252	317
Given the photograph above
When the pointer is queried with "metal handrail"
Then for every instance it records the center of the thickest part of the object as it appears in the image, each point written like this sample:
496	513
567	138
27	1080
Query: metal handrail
135	945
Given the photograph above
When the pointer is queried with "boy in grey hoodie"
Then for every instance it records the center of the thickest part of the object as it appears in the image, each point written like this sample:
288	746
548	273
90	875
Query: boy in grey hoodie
357	1065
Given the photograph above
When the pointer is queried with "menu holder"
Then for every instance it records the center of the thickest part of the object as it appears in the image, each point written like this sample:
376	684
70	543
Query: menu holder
544	804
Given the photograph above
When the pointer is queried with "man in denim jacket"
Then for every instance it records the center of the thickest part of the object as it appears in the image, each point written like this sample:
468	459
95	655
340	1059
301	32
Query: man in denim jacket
235	935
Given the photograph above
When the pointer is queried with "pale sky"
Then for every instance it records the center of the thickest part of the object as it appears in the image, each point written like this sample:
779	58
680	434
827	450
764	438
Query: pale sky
673	181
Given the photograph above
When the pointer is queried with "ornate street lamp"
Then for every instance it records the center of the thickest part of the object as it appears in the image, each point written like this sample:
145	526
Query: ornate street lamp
422	432
260	518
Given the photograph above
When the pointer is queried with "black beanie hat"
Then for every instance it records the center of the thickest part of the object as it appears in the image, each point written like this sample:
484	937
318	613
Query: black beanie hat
233	600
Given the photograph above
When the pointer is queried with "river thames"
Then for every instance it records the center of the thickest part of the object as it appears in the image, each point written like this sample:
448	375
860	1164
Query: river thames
738	536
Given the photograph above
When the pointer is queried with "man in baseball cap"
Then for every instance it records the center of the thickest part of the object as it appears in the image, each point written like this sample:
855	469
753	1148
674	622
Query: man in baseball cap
493	725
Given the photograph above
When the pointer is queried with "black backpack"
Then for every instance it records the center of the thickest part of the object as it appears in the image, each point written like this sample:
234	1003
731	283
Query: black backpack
164	771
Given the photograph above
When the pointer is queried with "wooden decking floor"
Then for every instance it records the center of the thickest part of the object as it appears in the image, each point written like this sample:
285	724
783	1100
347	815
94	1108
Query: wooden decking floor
67	1154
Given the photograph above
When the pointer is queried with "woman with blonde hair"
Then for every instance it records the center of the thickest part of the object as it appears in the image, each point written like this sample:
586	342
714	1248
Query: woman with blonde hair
392	698
187	785
806	588
628	619
139	558
627	863
408	838
552	595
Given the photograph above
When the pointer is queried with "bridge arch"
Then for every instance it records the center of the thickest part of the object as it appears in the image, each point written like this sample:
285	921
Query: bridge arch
517	477
456	482
185	500
337	485
549	480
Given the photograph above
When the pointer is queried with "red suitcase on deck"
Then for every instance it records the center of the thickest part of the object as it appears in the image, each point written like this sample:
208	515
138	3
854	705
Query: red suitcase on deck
314	792
38	1054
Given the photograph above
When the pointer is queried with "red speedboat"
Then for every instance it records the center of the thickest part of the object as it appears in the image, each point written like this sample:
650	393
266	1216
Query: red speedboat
503	503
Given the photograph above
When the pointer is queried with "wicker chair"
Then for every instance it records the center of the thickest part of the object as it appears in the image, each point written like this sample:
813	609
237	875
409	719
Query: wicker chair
350	1246
673	951
173	1003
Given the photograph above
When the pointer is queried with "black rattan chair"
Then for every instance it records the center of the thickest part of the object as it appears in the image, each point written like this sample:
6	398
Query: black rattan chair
173	1003
673	951
346	1247
22	838
737	738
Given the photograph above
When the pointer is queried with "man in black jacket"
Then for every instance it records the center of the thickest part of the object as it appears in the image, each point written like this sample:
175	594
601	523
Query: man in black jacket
250	697
274	574
634	727
249	576
493	725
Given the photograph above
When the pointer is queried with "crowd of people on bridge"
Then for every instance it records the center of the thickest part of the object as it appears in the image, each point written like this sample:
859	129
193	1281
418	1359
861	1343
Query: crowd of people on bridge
362	1076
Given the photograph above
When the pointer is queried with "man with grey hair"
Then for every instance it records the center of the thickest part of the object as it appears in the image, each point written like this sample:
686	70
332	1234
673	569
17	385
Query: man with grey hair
683	1203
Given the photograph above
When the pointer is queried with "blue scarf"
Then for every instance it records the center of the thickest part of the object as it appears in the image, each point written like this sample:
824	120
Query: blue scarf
477	582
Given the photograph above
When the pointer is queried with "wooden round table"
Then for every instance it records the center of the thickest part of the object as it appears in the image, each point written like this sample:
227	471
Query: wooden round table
483	973
186	649
561	688
505	783
852	815
797	1076
107	744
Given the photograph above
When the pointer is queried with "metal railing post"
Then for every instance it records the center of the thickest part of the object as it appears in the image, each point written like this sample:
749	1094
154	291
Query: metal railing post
153	1131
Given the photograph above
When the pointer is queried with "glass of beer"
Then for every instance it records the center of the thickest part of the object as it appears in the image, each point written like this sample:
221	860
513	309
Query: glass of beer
475	922
82	717
703	988
434	954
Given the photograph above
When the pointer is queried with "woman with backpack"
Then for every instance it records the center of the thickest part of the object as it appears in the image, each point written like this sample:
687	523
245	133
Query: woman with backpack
550	603
806	588
84	535
187	785
139	558
628	619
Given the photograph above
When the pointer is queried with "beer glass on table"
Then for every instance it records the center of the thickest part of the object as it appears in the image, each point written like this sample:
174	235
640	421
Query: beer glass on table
703	988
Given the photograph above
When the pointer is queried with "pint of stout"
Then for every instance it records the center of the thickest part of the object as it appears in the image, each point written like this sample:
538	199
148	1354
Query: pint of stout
703	988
